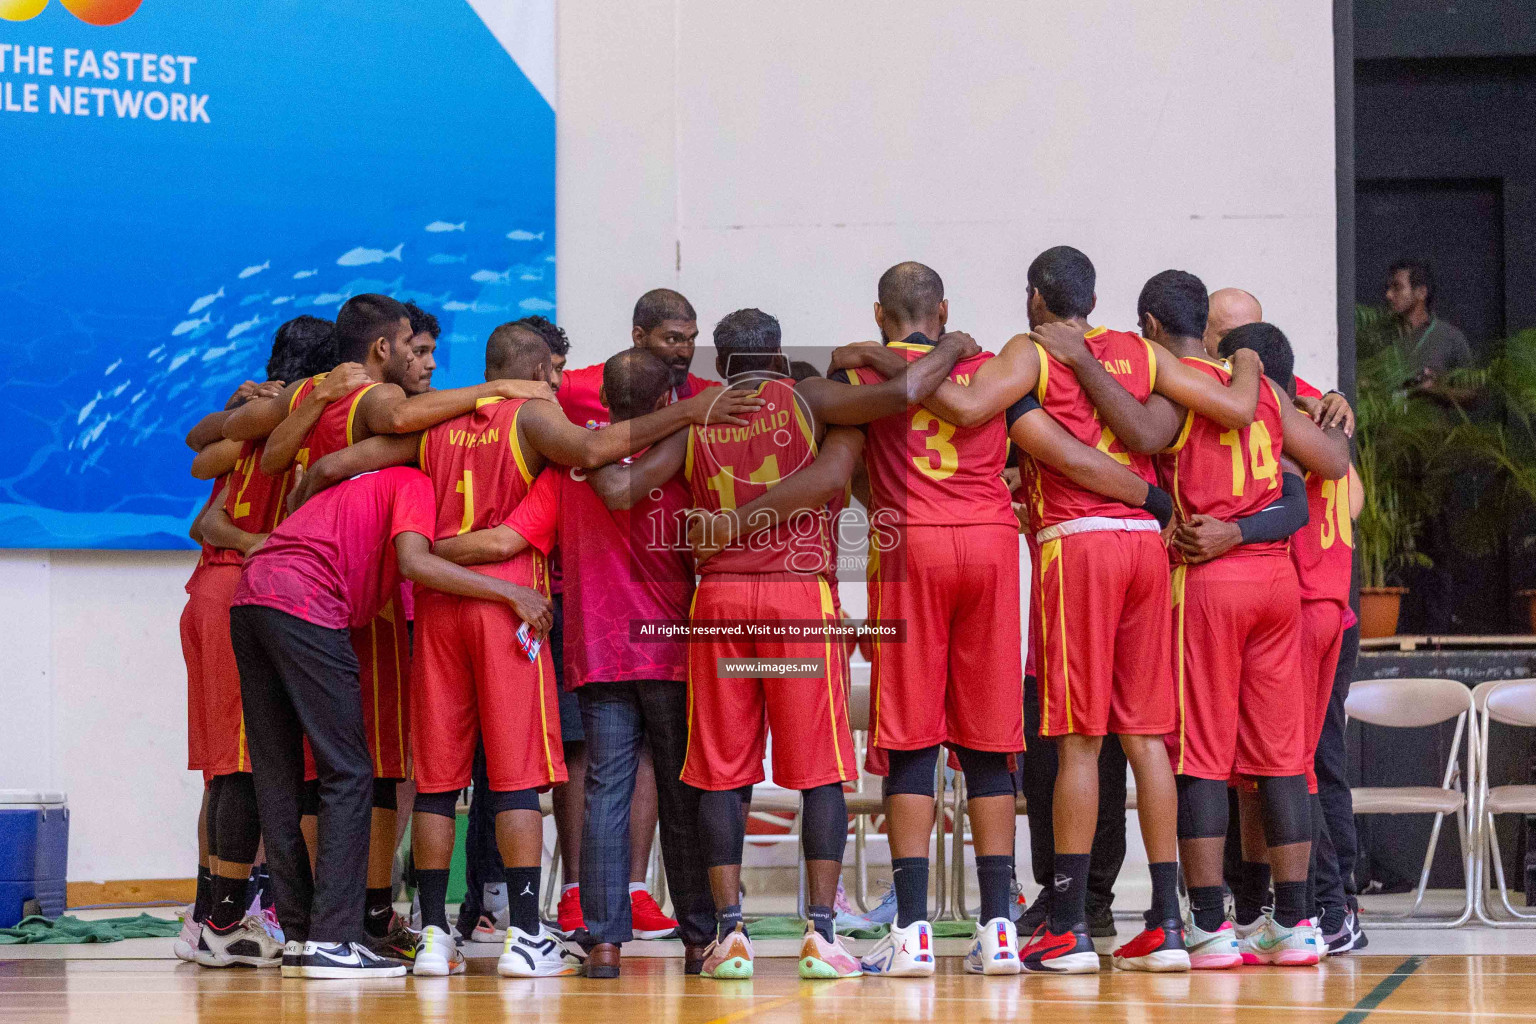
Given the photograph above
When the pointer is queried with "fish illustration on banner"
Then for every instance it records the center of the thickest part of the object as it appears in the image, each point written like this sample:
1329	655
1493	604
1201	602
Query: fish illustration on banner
217	224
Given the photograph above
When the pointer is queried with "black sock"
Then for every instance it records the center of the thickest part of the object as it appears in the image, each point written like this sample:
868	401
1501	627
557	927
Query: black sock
227	902
523	897
1165	893
1333	920
1251	892
1290	903
204	895
1069	901
379	909
264	887
1207	907
432	893
994	874
910	877
821	918
726	920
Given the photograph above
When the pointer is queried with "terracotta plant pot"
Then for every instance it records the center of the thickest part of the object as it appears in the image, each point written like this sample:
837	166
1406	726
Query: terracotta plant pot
1530	606
1378	611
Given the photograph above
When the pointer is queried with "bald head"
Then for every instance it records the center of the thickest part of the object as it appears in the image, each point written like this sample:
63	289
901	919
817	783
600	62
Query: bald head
911	298
1230	307
516	351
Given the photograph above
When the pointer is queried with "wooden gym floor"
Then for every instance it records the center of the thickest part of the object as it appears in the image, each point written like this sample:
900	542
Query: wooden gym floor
1345	989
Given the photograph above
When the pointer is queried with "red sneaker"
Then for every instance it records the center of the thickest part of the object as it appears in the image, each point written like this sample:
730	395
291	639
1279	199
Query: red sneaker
1068	953
1155	949
648	920
569	913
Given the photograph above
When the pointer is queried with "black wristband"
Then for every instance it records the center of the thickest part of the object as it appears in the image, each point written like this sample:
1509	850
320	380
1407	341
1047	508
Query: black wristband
1160	503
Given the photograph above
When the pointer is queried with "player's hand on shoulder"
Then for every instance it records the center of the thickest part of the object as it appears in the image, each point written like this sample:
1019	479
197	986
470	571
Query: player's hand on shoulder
850	357
532	607
341	381
244	393
302	488
1246	356
722	405
269	389
1061	340
533	390
967	344
1333	411
1202	538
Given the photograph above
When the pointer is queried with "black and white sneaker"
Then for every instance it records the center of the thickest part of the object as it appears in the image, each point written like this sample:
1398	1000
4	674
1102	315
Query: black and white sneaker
293	954
541	955
345	960
247	944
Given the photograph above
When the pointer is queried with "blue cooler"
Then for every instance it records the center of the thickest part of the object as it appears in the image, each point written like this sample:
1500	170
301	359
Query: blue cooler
34	853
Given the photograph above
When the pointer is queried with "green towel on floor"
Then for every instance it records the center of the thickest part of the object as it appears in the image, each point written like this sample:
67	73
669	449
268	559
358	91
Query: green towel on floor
794	927
71	930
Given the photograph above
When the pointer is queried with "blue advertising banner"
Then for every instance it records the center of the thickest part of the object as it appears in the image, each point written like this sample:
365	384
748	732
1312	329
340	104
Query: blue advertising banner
181	177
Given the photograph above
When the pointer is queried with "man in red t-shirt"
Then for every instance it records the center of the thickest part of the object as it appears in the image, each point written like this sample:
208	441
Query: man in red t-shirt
327	568
617	527
664	324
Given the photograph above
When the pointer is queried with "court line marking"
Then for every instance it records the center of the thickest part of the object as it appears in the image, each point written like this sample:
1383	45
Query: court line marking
1384	988
756	1008
1440	1013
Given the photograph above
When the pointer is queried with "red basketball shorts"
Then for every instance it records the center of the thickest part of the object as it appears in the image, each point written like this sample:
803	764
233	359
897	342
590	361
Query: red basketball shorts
470	683
215	720
383	650
1237	651
1322	637
957	676
1105	661
730	717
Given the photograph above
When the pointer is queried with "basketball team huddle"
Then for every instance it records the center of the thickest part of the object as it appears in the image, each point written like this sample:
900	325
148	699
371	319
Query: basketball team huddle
400	583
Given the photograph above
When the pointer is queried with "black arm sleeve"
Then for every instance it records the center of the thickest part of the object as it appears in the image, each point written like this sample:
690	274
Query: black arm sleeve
1024	405
1281	517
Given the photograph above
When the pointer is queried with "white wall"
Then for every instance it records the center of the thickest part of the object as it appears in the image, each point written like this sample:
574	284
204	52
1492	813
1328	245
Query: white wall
782	155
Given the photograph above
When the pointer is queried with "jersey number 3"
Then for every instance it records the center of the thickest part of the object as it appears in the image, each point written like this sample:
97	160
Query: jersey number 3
937	443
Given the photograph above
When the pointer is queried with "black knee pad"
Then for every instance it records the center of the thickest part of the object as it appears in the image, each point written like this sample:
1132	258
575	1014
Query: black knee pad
384	793
912	771
498	800
824	822
444	805
1202	808
722	825
1287	809
238	825
986	772
309	802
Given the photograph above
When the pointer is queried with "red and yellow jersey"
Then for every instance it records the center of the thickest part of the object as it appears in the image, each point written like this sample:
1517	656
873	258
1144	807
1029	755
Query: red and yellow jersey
255	502
728	466
211	555
1323	551
480	474
1052	497
926	471
335	429
1224	473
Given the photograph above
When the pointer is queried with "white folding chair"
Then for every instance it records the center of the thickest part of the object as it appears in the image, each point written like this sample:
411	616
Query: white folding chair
1510	702
1418	703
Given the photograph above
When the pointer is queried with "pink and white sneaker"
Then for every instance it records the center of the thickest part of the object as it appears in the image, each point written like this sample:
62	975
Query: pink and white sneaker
820	959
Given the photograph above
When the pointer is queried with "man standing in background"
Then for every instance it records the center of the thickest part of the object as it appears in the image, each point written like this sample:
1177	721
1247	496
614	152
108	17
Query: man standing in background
1429	344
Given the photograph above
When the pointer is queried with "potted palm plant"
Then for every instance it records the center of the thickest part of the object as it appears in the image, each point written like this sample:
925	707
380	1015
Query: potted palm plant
1504	440
1395	435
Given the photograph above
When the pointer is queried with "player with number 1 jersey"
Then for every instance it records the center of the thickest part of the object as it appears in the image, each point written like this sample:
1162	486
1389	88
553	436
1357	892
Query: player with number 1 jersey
469	679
